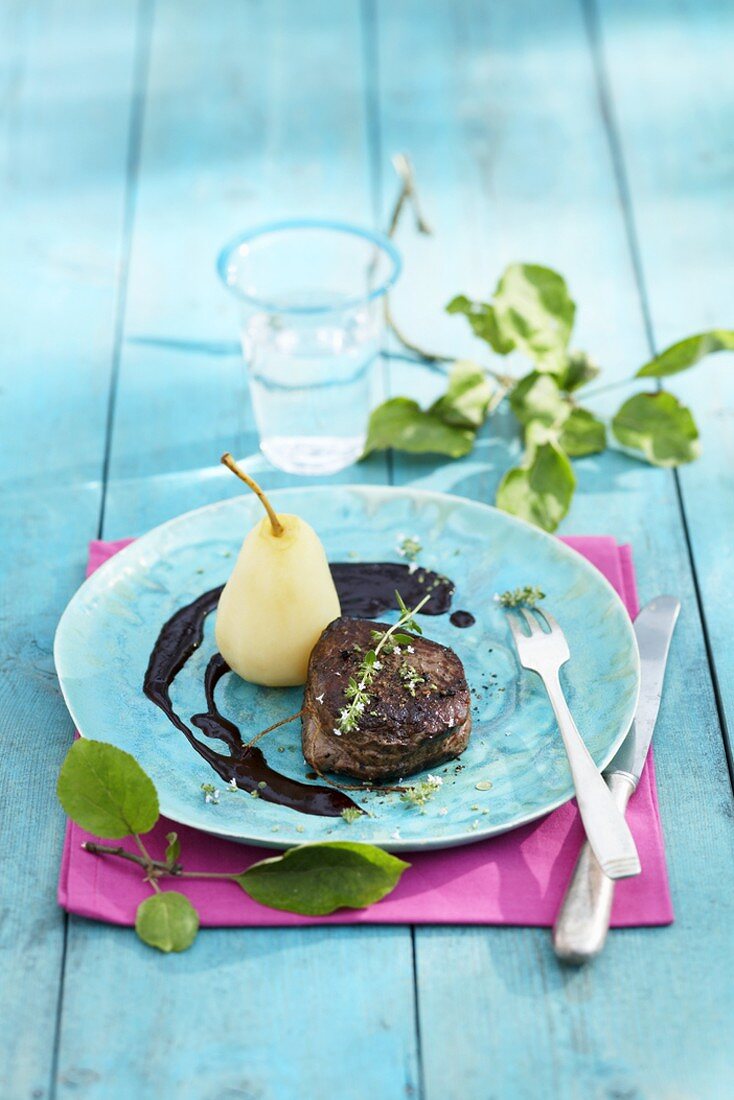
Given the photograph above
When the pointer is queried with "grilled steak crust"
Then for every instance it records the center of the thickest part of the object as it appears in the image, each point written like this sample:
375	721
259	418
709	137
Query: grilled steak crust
398	733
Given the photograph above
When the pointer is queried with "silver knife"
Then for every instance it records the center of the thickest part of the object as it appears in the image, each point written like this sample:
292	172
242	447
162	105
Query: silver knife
583	919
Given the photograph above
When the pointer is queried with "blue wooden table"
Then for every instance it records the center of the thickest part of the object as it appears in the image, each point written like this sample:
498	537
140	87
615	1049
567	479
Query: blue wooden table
594	136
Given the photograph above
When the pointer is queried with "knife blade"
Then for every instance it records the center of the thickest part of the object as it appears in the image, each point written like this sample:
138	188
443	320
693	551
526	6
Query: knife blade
582	924
653	628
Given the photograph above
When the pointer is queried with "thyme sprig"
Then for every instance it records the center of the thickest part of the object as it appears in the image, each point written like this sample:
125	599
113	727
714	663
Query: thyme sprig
409	547
410	677
529	595
421	792
387	641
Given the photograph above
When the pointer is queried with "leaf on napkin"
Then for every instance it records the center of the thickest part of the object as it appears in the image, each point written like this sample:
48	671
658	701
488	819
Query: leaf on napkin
173	849
167	921
541	490
105	791
657	425
316	879
686	353
402	424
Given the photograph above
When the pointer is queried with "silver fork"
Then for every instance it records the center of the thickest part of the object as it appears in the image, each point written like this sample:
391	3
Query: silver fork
606	829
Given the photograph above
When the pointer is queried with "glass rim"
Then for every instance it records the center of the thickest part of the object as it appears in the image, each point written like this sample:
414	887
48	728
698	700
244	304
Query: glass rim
347	228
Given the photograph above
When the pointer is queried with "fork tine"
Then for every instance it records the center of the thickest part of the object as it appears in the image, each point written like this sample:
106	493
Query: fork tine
517	633
553	625
531	621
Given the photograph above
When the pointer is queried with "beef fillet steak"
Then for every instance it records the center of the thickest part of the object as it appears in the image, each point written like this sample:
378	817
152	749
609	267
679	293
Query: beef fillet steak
398	733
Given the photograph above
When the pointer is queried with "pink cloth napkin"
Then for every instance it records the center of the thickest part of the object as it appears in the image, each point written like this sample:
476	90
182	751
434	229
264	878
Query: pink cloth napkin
516	878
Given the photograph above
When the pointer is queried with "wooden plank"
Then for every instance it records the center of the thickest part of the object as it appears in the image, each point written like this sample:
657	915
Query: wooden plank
501	116
684	215
243	133
67	73
252	111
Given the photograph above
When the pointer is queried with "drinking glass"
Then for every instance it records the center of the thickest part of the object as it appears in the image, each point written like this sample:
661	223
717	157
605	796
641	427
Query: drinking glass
310	295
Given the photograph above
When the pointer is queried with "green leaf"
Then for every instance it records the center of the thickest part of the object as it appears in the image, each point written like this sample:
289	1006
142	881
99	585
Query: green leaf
402	639
402	424
316	879
540	491
686	353
577	371
167	921
535	311
483	320
582	434
537	397
465	403
660	427
105	790
173	850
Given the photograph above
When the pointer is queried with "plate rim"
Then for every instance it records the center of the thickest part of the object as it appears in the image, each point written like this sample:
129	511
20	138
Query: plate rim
96	579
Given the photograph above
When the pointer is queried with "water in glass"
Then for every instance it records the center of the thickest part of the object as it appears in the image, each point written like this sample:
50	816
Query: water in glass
311	378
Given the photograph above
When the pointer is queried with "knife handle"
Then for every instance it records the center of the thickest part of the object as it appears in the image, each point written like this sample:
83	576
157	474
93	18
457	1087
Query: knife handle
583	919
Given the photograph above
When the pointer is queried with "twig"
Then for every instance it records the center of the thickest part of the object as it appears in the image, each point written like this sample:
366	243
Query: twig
155	867
275	726
428	356
609	386
408	196
144	851
353	786
402	164
122	853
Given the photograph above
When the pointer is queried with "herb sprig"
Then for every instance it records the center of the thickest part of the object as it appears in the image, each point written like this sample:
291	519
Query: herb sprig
532	313
529	595
419	794
357	691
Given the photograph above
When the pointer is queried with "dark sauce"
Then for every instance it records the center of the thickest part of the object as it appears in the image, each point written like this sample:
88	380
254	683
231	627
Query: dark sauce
462	619
365	590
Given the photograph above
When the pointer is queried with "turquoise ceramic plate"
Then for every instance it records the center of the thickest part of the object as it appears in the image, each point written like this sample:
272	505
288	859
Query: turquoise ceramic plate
107	631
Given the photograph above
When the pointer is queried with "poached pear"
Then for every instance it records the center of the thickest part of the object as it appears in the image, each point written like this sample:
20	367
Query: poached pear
278	599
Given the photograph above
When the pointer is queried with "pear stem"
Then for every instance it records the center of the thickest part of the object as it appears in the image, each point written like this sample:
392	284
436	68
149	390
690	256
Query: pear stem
275	523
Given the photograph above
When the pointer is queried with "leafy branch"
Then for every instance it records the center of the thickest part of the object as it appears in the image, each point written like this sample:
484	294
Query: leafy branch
106	792
532	313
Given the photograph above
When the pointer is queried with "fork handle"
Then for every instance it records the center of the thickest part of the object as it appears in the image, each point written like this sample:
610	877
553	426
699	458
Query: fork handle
582	923
607	831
